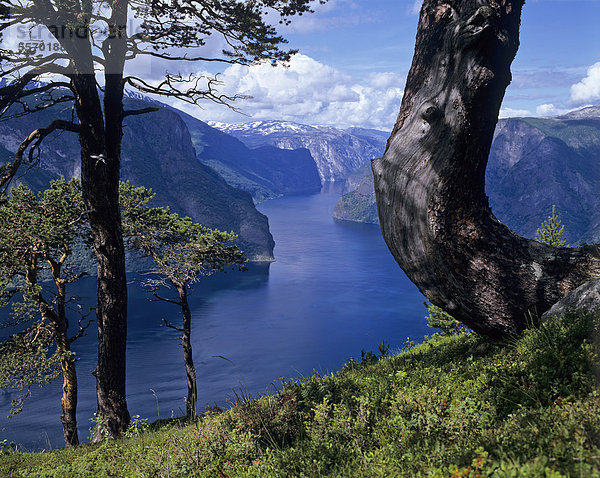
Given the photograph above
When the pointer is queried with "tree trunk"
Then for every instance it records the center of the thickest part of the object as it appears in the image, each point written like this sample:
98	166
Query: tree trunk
68	401
429	184
186	343
100	186
59	321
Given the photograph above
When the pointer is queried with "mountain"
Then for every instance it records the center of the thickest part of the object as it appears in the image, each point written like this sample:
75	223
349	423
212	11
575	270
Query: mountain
537	162
157	153
533	164
357	204
337	152
265	172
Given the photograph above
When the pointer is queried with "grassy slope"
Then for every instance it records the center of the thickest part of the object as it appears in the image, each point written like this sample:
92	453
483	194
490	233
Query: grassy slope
453	406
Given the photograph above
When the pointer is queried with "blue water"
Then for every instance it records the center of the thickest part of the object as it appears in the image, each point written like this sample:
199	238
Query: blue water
334	290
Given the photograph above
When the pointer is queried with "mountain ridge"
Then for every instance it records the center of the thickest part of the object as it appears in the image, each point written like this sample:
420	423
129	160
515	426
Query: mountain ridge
157	153
336	152
533	164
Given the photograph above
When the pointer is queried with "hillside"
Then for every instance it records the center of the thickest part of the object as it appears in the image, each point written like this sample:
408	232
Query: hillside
537	162
358	204
265	172
157	153
337	152
457	406
533	164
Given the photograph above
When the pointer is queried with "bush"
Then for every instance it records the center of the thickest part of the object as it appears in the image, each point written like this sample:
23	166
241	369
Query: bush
455	405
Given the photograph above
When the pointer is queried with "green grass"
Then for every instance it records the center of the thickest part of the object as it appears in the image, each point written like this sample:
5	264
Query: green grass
454	406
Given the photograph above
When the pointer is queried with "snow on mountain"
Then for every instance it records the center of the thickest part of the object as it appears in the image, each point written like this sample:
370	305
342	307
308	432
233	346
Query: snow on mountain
336	152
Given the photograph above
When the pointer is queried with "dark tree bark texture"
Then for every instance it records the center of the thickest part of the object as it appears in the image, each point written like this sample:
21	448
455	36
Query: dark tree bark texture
429	184
186	344
100	170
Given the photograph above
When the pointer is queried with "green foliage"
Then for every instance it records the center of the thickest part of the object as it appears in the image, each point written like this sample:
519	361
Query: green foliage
438	318
551	231
136	427
26	360
452	406
181	249
35	241
355	206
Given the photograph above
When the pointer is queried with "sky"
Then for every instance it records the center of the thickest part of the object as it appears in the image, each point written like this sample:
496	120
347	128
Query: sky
354	56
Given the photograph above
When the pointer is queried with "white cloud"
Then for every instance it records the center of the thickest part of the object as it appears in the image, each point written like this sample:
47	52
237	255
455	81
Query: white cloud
415	9
307	91
513	113
588	89
550	110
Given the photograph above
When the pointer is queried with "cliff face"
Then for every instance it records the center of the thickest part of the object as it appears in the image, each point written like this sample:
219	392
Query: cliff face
337	152
358	204
533	164
265	172
157	153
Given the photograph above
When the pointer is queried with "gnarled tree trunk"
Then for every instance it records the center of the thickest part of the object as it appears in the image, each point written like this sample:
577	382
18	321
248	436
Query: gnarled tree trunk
429	184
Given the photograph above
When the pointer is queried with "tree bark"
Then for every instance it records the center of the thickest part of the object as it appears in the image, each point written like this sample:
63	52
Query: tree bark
68	400
100	142
59	321
433	210
186	344
100	185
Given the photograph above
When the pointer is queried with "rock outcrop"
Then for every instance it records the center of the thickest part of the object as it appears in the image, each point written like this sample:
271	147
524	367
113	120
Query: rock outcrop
586	296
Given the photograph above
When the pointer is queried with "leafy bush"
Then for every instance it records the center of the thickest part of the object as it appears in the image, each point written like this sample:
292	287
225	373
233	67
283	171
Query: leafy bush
454	405
438	318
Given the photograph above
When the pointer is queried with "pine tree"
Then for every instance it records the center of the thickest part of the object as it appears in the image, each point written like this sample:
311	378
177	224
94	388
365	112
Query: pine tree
551	231
182	252
36	241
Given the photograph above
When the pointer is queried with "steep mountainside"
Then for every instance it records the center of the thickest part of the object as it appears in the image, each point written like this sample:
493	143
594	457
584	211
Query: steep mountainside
265	172
357	204
157	153
534	163
337	152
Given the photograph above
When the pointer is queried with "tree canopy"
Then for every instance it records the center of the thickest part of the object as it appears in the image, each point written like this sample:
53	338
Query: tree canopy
182	252
85	66
37	238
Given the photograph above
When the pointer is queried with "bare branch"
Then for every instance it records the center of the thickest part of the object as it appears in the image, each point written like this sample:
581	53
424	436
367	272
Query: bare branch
134	51
39	66
16	90
171	326
48	102
170	301
139	112
75	277
82	328
171	87
34	140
